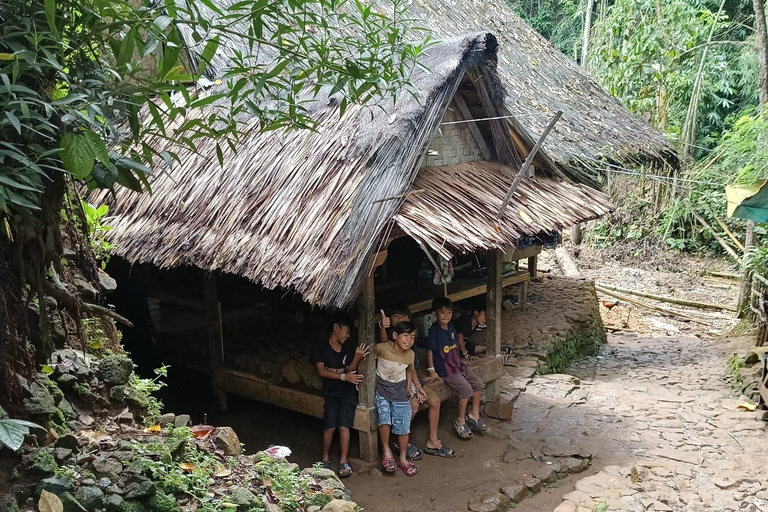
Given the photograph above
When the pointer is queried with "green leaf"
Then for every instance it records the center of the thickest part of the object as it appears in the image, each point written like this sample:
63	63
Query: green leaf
12	433
77	155
14	120
50	16
98	146
208	53
47	369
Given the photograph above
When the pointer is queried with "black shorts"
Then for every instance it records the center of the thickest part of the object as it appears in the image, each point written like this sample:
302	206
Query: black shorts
340	411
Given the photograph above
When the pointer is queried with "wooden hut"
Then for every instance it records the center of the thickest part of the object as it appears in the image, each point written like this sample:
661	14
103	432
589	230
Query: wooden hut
313	212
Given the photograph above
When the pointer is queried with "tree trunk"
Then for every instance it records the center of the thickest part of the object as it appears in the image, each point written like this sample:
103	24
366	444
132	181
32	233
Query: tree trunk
762	61
587	32
762	50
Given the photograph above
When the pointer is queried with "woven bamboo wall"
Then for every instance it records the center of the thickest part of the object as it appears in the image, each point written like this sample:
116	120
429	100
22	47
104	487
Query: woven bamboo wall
454	146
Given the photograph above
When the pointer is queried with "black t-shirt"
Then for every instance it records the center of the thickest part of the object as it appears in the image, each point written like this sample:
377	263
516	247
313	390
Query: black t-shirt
463	326
336	362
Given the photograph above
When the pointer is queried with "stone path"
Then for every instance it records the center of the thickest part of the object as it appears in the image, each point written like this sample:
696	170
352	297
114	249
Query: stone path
660	421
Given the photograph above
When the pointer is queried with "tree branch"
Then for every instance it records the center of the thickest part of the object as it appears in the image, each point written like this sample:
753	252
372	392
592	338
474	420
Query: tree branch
76	305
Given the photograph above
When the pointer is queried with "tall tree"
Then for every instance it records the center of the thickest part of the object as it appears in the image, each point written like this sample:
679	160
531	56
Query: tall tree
762	82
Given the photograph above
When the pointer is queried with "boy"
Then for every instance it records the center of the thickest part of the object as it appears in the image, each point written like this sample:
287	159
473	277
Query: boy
394	372
445	362
400	313
465	326
336	363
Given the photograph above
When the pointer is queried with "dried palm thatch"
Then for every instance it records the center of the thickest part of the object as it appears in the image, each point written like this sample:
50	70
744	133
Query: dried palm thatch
540	81
459	207
299	210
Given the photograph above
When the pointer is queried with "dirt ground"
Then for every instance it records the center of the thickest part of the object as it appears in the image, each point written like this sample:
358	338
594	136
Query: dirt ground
657	399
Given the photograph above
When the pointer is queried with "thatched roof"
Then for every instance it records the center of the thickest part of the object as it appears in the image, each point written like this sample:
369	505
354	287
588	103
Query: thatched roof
438	216
541	80
300	210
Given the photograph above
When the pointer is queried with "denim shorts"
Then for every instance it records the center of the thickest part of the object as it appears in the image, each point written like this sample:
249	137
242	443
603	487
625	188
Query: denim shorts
396	414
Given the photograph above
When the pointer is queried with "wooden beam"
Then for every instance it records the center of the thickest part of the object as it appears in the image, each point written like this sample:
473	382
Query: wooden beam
425	305
485	150
521	173
494	292
369	441
533	265
213	318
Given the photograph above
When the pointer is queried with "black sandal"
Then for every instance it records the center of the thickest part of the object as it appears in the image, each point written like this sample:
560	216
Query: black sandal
444	452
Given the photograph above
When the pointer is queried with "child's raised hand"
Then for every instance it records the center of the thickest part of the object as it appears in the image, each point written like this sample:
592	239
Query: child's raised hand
385	321
362	351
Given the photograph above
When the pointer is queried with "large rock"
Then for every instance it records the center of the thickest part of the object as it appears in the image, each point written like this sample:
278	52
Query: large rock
532	484
501	410
40	405
576	465
490	502
340	506
91	498
106	283
566	506
104	467
243	498
57	485
115	370
516	493
67	441
166	419
140	488
227	441
546	474
182	420
113	503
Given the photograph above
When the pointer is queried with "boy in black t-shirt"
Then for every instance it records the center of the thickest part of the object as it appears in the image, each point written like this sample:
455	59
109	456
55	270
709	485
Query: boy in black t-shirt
465	326
336	363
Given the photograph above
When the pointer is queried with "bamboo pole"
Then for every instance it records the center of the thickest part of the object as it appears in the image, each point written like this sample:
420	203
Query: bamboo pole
528	161
730	234
671	300
722	242
726	275
638	302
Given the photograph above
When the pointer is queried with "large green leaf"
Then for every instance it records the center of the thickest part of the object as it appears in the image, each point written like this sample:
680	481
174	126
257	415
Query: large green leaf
12	433
98	146
77	155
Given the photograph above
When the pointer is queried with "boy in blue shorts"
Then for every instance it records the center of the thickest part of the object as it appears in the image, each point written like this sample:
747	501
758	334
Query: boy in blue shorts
394	371
445	362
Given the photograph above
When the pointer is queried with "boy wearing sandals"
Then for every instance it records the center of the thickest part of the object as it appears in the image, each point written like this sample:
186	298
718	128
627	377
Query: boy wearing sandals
336	363
445	362
394	371
400	313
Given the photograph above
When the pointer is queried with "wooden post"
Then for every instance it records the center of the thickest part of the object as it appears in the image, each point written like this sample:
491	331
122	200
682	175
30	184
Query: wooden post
369	441
214	329
493	296
522	295
533	265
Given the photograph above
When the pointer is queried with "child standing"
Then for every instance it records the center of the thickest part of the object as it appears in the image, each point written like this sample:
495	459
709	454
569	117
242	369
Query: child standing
445	362
336	362
394	371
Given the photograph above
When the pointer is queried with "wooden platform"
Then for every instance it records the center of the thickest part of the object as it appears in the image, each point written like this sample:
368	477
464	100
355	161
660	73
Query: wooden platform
420	298
256	388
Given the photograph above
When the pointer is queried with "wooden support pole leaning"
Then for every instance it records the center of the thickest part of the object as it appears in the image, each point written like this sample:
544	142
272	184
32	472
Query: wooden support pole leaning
493	295
528	161
473	128
214	330
717	237
369	441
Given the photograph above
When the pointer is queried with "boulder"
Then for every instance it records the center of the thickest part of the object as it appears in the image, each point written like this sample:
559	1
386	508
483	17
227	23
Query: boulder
576	465
115	370
490	502
104	467
501	410
126	418
57	485
40	405
106	283
566	506
113	503
183	420
225	439
166	419
91	498
243	498
532	484
516	493
139	488
546	474
340	506
61	454
67	441
84	288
